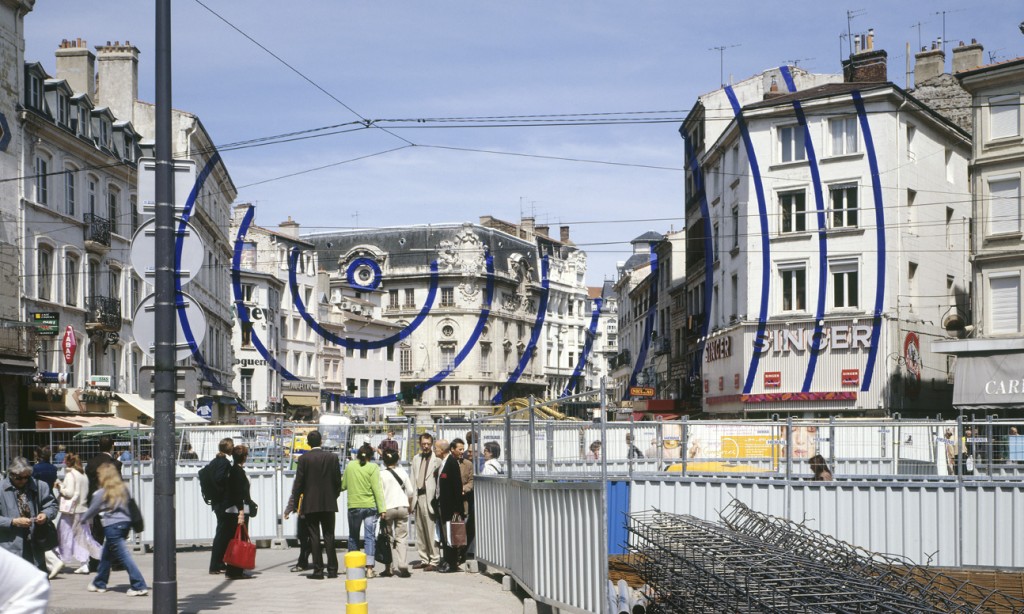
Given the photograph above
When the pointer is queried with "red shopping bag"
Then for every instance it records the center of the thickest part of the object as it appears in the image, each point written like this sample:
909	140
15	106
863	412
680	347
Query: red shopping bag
241	552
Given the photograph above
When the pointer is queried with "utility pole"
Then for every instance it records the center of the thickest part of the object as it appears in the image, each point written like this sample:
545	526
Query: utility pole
165	581
721	61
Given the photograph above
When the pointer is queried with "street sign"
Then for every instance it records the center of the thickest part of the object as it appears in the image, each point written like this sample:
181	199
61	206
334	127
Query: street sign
69	344
47	323
184	181
641	391
143	254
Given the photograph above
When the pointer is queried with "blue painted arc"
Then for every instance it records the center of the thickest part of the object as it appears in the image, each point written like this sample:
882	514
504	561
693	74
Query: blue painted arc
766	257
709	252
592	329
236	283
819	208
186	328
876	188
293	286
645	341
538	326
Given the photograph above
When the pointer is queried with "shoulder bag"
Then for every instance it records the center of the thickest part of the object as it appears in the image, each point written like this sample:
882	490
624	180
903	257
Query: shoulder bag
43	535
138	524
241	552
382	554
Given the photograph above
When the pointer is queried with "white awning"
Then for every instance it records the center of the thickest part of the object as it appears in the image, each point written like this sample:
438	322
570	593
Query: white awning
132	404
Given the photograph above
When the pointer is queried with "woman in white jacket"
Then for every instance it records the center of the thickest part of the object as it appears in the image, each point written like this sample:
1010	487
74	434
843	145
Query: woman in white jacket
74	544
398	495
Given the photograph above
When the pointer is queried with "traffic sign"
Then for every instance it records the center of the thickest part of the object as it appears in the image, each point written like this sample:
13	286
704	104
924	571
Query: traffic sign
69	344
143	254
184	181
144	325
47	323
641	391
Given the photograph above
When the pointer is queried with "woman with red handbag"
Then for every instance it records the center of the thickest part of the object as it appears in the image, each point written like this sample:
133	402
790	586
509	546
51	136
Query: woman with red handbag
238	501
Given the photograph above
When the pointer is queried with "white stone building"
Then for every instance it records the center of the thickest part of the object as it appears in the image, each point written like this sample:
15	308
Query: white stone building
822	261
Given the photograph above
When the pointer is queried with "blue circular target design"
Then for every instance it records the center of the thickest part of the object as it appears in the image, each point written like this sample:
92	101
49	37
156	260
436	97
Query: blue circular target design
363	274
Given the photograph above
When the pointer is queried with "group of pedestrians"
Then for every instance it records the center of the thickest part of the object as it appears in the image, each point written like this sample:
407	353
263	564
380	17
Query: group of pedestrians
93	505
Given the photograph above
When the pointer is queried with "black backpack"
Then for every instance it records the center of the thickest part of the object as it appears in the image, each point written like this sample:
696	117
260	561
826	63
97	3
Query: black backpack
212	490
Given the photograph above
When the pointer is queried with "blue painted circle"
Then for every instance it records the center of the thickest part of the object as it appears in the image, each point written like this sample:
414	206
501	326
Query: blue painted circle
354	267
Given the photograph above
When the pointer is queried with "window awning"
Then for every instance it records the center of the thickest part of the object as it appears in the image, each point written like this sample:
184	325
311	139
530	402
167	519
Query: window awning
302	400
11	365
79	421
148	409
989	380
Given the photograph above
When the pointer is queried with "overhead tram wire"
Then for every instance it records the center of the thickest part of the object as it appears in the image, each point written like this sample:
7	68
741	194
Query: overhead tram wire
299	73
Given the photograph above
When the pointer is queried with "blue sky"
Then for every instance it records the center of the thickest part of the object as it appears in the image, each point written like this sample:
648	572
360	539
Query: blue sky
406	60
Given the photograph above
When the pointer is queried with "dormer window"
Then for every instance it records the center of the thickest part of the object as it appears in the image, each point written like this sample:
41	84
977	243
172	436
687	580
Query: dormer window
104	133
34	95
63	110
83	122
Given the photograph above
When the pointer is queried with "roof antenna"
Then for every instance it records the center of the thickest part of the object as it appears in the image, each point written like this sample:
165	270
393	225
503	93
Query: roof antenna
721	60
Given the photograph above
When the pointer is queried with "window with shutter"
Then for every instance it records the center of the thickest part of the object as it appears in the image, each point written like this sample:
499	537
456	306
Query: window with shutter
1004	304
1004	206
1004	116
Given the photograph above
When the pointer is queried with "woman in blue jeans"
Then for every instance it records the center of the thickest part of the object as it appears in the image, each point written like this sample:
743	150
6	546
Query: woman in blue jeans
365	502
112	501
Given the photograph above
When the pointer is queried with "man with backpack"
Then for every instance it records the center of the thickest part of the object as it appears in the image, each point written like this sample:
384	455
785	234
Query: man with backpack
213	481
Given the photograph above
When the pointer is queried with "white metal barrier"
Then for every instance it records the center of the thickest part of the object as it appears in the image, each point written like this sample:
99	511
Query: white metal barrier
550	536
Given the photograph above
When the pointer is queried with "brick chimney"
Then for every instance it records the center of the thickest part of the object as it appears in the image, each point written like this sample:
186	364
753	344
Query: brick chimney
289	228
929	63
563	234
543	229
866	64
526	226
77	65
966	57
117	78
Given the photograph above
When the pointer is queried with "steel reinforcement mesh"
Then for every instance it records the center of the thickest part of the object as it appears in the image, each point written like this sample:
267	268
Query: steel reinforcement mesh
752	562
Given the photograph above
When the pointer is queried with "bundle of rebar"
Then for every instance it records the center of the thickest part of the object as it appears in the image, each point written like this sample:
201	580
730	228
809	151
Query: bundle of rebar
756	563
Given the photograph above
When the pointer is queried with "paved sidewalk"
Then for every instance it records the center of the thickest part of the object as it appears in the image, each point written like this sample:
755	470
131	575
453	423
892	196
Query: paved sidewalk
275	590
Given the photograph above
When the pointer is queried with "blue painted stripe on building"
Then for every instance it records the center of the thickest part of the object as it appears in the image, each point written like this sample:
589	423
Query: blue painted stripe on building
591	335
876	188
538	327
819	208
645	341
766	260
709	251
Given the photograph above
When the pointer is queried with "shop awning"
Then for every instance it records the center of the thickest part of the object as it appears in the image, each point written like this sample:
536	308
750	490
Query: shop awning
11	365
991	381
80	421
302	400
148	409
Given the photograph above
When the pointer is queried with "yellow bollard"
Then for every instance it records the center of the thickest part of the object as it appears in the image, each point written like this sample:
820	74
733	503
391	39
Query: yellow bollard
355	582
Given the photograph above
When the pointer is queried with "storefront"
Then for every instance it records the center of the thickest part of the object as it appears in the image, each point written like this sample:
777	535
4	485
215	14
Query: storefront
301	400
989	375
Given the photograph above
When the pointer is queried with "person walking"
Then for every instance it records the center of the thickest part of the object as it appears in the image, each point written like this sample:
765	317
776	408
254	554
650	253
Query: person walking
301	534
46	472
424	469
318	486
365	502
238	502
492	452
448	502
25	504
111	504
104	456
459	451
74	490
398	498
220	470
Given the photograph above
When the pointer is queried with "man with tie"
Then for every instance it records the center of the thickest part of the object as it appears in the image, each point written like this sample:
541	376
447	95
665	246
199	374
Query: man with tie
318	483
424	470
449	502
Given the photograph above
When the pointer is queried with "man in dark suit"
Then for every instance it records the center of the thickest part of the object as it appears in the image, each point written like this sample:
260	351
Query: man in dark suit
104	456
318	482
226	523
448	496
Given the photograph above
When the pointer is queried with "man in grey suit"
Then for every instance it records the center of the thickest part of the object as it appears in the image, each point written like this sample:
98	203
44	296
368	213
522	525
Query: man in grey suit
424	474
318	482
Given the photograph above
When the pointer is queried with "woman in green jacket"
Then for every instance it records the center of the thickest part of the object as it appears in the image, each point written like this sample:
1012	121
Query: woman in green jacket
365	502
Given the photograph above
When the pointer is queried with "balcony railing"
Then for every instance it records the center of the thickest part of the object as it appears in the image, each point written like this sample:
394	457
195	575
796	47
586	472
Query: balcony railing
620	360
97	230
103	312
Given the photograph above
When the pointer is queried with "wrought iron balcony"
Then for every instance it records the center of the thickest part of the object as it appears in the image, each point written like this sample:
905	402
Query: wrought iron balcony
103	313
97	231
621	359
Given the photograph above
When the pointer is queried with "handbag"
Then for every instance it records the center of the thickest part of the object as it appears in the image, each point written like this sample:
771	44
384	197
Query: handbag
253	508
138	524
382	552
241	552
44	535
458	531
